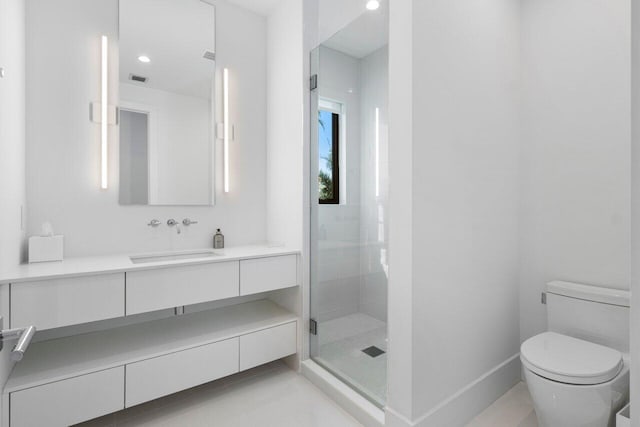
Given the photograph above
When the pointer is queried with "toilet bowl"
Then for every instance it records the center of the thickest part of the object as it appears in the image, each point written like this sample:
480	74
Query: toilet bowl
578	371
574	382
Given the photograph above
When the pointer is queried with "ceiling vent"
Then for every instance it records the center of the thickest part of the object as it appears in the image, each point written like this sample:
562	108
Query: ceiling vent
136	78
209	55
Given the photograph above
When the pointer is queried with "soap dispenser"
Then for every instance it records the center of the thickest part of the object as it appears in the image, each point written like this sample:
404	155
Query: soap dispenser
218	240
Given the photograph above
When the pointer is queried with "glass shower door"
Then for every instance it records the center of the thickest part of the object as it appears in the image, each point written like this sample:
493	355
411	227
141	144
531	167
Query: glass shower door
349	205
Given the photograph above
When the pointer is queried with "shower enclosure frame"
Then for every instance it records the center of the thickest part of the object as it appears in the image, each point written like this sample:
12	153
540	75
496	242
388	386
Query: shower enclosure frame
311	225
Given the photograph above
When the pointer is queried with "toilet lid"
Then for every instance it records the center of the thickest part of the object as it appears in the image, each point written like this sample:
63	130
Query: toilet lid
570	360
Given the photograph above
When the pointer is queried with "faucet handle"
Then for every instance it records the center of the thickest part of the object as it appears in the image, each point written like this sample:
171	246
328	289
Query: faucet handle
154	223
187	222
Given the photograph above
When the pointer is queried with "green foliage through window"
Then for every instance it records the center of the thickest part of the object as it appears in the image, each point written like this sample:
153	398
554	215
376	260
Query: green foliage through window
328	147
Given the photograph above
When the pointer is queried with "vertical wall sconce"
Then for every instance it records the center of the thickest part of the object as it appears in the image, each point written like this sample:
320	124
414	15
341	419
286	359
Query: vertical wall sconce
377	165
225	136
104	115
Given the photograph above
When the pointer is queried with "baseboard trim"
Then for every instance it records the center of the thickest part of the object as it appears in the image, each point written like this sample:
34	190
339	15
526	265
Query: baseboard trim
360	408
469	401
472	399
395	419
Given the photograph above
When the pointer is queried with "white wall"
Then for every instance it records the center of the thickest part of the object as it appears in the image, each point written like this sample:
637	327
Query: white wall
63	146
287	160
635	210
400	325
334	15
462	192
374	182
12	131
285	119
575	140
12	159
465	162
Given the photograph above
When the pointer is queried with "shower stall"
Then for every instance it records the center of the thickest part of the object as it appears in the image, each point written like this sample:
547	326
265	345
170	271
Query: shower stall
349	204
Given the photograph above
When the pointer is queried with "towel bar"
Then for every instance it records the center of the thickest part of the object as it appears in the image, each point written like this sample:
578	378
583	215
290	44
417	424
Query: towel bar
24	336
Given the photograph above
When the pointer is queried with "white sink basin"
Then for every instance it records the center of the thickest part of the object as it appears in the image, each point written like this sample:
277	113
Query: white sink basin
172	256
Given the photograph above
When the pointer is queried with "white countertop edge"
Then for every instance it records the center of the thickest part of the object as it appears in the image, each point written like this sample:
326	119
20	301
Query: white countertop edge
106	264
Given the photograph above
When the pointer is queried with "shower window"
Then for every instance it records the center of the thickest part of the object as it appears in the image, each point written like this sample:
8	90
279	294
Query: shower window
329	160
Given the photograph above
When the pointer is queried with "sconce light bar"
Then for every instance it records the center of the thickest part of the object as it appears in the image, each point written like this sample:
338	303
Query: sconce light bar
225	95
104	118
377	152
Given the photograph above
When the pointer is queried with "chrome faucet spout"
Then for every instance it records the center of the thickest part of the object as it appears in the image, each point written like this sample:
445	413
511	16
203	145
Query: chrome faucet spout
173	223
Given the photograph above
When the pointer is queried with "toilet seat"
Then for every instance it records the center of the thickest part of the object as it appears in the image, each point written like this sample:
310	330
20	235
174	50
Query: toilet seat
570	360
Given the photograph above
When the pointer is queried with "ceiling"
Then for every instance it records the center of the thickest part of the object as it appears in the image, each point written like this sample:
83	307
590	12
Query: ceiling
174	35
364	35
262	7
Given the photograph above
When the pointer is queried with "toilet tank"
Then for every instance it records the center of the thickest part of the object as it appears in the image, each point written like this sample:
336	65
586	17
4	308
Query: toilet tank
592	313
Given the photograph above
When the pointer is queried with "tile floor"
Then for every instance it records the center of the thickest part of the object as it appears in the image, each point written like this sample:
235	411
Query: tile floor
340	344
513	409
275	396
268	396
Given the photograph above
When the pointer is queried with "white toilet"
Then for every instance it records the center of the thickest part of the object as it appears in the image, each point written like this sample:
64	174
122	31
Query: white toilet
578	372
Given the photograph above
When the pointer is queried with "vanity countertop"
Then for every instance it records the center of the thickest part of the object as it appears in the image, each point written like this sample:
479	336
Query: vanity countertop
84	266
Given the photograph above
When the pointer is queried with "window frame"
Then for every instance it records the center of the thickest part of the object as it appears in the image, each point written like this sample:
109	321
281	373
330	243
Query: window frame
335	154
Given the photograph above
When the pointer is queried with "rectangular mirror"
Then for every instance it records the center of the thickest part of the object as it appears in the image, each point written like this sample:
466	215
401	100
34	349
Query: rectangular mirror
167	114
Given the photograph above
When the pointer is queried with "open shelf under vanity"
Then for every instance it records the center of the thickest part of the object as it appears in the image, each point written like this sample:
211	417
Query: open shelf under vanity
134	364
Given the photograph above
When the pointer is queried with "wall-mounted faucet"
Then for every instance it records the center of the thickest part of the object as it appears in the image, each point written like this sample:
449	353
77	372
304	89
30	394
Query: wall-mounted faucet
173	223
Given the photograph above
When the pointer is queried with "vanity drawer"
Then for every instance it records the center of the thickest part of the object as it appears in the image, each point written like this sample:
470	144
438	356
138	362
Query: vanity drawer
267	274
163	375
151	290
267	345
61	302
68	402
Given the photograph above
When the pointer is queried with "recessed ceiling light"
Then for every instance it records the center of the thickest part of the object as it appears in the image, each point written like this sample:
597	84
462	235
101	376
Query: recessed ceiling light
373	4
144	58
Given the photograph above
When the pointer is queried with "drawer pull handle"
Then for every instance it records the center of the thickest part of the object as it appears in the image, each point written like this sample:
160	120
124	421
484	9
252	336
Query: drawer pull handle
24	336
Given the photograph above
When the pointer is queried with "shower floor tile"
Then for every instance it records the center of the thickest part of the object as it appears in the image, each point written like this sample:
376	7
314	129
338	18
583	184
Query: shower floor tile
347	326
341	342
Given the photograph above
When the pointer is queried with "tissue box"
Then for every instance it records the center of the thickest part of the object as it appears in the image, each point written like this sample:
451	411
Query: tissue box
46	248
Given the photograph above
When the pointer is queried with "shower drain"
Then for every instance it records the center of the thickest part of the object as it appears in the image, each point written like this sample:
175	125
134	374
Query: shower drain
373	351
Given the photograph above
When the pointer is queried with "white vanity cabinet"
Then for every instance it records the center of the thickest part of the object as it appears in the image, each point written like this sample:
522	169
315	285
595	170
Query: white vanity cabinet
153	378
266	345
61	302
268	273
70	401
170	287
76	378
64	300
